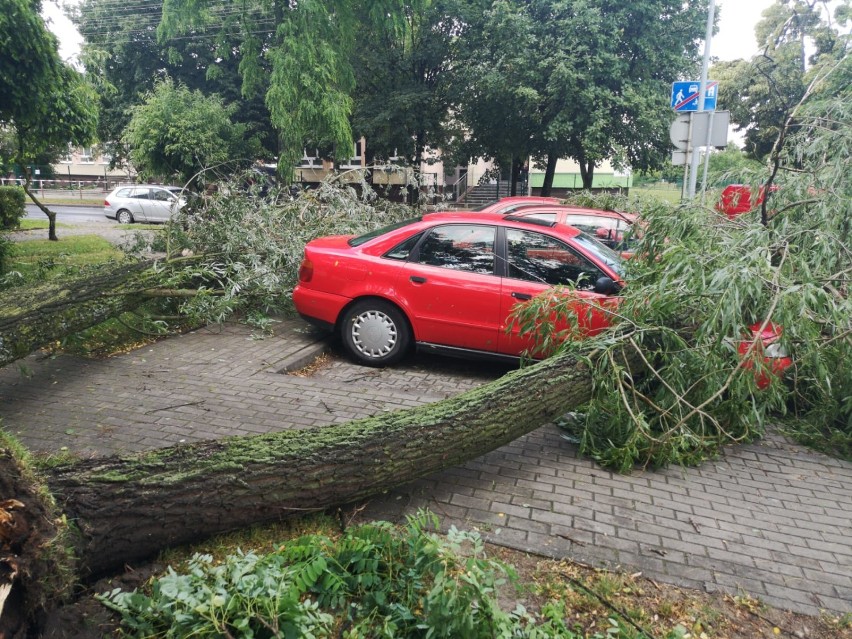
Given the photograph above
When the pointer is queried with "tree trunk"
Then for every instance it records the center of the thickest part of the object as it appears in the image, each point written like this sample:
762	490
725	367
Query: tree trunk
35	316
128	508
513	176
51	215
587	173
549	173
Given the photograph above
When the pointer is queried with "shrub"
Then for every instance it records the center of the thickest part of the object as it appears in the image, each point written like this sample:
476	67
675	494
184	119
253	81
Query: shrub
374	581
12	200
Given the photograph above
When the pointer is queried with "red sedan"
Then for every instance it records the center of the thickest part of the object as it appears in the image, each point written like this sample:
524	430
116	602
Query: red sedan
515	202
447	282
609	227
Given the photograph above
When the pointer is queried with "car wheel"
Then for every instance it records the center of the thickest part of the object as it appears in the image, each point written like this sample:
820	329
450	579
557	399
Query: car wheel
124	217
375	333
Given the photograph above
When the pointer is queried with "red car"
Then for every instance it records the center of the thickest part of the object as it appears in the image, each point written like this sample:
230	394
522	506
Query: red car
513	203
447	282
736	199
609	227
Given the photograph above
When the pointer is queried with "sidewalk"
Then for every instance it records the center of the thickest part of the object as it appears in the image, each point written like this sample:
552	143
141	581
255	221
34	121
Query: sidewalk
771	518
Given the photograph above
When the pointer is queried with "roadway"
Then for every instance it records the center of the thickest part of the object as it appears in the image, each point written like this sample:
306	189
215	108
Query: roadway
71	214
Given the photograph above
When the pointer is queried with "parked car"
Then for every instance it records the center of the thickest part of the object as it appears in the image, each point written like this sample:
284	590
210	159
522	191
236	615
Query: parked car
447	282
143	203
515	202
610	227
736	199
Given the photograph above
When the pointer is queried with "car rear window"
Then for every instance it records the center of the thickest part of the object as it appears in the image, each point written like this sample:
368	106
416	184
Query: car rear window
366	237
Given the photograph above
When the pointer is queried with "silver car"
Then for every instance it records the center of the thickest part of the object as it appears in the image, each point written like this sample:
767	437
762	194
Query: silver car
143	203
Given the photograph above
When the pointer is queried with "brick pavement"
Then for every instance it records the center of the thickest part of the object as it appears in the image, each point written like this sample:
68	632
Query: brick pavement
770	518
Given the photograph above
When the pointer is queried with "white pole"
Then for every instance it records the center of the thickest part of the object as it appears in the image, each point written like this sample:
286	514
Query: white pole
702	89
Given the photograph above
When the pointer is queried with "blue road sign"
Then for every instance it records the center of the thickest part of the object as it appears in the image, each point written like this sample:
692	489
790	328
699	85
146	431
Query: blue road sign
685	96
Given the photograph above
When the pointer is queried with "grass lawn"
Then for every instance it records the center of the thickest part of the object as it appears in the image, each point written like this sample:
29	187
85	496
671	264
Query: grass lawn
43	257
668	195
28	225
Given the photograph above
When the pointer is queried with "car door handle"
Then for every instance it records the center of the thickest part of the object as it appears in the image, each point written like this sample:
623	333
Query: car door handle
417	279
521	296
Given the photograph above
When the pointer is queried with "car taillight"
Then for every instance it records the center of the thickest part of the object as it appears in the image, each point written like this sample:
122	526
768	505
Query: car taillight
106	202
306	271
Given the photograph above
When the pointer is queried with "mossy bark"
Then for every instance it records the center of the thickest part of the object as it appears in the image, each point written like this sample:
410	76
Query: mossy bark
127	508
35	316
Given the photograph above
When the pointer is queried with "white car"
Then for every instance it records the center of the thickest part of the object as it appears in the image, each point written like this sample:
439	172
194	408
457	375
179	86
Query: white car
143	203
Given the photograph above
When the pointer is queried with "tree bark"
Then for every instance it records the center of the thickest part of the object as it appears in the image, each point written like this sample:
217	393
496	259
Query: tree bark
36	316
513	176
128	508
549	173
587	173
51	215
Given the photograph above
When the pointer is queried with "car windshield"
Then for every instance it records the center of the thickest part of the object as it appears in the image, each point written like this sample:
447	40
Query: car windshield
602	252
366	237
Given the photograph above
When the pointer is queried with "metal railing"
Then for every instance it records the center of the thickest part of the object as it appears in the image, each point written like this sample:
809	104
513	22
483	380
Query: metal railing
459	187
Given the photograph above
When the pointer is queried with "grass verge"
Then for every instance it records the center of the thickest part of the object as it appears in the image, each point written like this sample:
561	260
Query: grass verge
43	259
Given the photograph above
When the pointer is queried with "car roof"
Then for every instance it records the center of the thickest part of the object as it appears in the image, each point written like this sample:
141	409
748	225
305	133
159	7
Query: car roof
489	218
575	210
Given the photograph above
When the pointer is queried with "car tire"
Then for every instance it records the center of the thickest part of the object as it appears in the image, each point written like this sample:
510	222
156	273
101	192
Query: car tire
375	333
124	217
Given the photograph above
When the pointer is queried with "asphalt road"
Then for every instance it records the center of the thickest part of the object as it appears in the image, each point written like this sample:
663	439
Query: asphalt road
71	214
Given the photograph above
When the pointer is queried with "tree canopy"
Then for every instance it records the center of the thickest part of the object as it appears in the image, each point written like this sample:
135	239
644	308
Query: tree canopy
47	103
795	37
177	132
585	80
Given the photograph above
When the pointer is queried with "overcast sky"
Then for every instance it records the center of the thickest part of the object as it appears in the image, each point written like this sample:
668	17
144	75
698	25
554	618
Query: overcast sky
734	40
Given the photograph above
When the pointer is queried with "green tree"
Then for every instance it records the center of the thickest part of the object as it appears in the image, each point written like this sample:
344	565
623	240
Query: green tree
761	92
732	166
44	101
299	54
176	133
585	80
124	59
402	71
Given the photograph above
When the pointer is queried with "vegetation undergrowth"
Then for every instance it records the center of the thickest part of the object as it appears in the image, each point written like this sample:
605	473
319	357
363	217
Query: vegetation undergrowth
380	580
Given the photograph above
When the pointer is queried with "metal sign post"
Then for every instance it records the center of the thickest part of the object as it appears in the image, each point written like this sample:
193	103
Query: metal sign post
693	171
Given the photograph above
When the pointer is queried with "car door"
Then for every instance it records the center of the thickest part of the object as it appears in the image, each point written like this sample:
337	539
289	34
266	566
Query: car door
159	206
535	262
138	203
450	290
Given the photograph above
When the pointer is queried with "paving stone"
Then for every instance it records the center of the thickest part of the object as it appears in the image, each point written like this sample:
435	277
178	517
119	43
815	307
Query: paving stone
770	516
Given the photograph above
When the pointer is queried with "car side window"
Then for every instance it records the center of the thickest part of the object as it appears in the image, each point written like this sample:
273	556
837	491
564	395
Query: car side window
461	247
540	258
161	195
403	250
124	193
140	194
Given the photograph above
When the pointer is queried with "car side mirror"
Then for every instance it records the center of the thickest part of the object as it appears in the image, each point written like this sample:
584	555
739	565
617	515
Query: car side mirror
605	286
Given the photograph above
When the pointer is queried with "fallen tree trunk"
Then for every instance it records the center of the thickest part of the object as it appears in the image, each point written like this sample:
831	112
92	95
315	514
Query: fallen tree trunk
35	316
127	508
